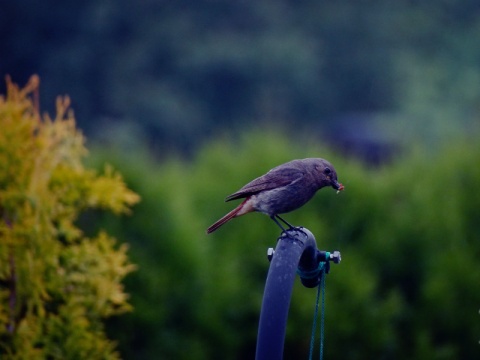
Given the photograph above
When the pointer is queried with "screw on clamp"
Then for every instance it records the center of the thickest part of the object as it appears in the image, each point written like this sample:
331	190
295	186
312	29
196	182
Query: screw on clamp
327	256
270	252
336	257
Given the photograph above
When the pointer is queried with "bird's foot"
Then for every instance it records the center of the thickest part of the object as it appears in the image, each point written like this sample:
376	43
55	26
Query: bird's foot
290	229
295	229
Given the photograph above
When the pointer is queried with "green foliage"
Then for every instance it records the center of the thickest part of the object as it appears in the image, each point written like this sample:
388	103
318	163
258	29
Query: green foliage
408	232
56	284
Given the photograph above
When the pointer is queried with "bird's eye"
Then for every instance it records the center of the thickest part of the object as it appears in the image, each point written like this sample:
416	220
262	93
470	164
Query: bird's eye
327	171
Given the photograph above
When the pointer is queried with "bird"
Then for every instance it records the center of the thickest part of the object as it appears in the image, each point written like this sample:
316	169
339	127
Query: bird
282	189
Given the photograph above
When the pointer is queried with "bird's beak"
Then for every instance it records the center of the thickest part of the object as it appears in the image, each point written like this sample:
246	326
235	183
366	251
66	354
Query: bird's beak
337	186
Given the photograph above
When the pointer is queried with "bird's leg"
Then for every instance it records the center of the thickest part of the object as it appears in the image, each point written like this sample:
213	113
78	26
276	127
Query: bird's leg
285	222
276	222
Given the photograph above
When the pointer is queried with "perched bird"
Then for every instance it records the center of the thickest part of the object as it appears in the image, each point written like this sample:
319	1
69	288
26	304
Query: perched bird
283	189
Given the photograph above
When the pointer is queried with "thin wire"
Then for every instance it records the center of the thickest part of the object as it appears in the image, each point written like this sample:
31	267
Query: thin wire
321	289
314	326
322	320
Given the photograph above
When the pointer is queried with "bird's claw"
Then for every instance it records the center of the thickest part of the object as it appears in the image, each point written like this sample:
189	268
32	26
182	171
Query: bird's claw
294	228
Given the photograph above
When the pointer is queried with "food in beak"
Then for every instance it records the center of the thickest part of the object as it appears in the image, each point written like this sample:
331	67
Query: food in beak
339	187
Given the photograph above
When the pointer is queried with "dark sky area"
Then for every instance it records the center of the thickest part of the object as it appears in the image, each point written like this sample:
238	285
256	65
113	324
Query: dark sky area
177	73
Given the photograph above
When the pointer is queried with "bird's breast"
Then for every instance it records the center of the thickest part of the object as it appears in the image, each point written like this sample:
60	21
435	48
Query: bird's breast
281	200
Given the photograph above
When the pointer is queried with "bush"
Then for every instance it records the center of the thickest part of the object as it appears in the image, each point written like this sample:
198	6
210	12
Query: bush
408	232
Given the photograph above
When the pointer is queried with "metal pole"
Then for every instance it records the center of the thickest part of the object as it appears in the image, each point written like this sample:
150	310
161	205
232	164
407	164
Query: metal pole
293	245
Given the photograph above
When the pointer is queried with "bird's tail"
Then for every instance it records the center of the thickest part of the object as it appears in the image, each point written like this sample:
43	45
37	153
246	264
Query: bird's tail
241	209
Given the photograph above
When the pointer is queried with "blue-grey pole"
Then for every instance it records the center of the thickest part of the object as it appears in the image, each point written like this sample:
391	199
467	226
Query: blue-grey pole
278	290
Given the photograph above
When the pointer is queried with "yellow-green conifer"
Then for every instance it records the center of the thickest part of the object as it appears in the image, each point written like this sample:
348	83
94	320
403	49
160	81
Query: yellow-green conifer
56	284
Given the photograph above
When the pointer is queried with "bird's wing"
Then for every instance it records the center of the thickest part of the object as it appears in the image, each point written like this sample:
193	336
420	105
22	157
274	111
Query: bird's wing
275	178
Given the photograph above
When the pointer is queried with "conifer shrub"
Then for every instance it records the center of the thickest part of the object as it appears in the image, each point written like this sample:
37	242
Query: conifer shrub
56	284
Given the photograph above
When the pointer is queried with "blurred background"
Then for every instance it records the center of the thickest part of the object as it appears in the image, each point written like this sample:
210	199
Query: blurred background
192	99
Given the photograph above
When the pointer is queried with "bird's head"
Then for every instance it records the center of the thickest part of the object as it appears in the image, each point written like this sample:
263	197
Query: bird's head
326	174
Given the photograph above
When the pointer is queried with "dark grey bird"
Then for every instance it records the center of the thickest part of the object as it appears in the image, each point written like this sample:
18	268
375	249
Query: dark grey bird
283	189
